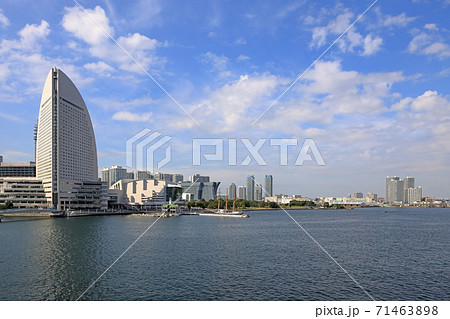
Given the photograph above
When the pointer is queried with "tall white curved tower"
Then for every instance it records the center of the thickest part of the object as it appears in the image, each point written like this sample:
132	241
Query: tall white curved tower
66	153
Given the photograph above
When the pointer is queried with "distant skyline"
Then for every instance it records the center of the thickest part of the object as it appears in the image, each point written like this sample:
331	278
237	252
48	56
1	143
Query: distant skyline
377	104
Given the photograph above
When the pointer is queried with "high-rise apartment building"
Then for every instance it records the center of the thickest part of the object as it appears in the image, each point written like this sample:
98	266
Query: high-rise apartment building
413	194
250	187
408	182
258	192
394	190
231	191
66	153
268	186
114	174
242	192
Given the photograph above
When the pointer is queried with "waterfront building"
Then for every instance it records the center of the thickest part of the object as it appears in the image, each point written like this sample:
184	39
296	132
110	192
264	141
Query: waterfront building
394	190
199	178
250	187
286	199
23	192
268	186
66	152
371	197
199	190
242	192
258	193
17	169
231	191
151	193
408	182
358	195
413	194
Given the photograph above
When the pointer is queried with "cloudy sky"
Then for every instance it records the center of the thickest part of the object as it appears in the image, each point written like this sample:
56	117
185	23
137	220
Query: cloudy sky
376	103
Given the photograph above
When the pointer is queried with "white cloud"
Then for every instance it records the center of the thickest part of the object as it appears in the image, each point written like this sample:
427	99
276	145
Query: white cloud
243	57
351	41
82	26
371	45
442	50
232	106
431	26
4	72
30	38
218	63
3	19
101	46
241	40
400	20
10	117
100	68
429	43
132	117
118	104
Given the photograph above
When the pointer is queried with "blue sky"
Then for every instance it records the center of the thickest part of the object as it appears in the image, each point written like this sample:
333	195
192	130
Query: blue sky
376	104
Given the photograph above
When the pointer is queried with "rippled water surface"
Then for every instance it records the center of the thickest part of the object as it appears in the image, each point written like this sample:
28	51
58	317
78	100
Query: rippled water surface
401	254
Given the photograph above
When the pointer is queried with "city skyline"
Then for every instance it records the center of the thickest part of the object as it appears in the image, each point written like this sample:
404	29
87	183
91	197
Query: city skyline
375	104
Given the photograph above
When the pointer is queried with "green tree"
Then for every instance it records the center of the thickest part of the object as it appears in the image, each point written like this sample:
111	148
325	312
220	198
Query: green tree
7	205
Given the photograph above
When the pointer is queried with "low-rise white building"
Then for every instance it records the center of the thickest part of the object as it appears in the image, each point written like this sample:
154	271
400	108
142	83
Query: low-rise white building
23	192
147	192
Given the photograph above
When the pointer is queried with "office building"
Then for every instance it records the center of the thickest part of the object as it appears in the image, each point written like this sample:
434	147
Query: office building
141	175
114	174
199	190
250	187
231	191
199	178
66	152
258	193
358	195
17	169
242	192
177	178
